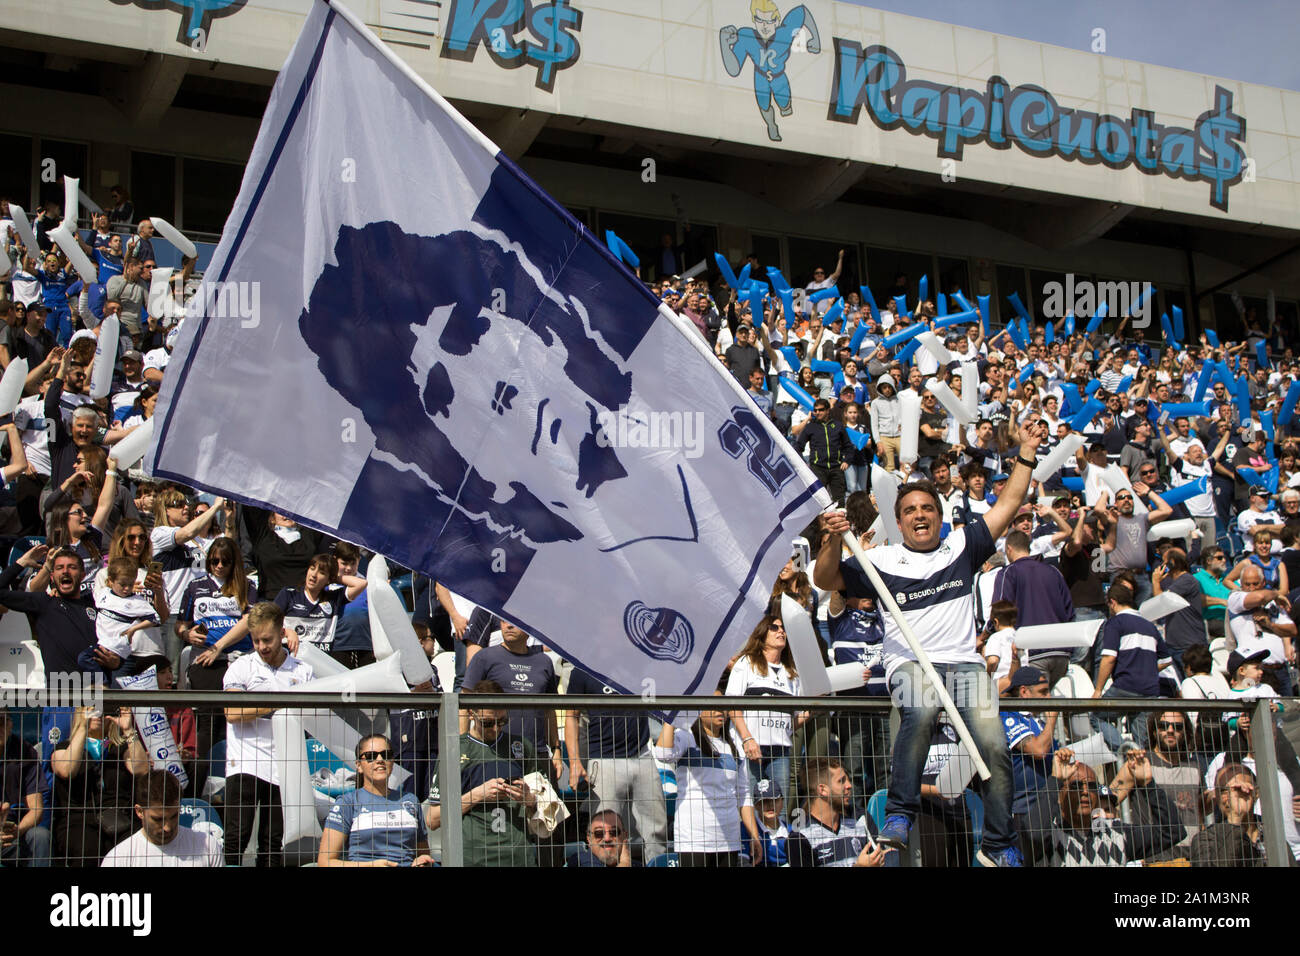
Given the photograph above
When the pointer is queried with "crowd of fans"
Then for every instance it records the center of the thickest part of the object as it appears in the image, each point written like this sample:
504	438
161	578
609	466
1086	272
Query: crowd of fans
119	574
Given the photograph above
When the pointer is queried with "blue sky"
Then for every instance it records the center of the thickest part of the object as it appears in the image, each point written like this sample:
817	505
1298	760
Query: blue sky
1251	40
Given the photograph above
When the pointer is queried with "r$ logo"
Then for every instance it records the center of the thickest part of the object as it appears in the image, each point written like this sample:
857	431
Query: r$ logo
550	47
196	16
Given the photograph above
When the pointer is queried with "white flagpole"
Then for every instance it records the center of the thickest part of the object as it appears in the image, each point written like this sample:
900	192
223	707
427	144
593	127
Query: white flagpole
963	732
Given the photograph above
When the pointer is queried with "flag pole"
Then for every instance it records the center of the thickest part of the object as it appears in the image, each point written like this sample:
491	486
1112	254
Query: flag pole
963	732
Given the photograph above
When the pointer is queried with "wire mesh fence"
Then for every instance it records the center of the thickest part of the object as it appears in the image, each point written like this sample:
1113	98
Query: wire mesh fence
165	778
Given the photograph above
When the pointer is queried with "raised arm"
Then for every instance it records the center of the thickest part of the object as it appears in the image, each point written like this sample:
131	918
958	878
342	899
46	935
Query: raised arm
998	518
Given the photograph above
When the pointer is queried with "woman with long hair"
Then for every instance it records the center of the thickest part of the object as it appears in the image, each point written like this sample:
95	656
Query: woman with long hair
172	540
714	798
70	526
94	771
94	486
213	619
766	668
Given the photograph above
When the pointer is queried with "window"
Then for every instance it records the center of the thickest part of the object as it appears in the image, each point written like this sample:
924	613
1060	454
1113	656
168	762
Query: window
153	185
70	159
208	192
894	272
16	170
809	254
644	236
768	251
954	276
1010	279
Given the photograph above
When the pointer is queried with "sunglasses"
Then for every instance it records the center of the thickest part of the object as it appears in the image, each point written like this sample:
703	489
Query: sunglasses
600	833
370	756
1172	725
492	723
220	562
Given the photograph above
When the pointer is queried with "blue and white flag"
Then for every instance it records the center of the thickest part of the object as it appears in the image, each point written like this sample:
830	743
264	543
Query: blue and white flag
445	367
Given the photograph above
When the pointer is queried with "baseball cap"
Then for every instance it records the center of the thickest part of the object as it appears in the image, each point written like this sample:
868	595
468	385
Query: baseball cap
133	355
768	788
37	307
1027	676
1237	659
1258	490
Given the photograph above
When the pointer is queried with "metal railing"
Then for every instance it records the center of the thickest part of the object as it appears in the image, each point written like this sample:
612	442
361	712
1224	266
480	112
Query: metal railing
449	705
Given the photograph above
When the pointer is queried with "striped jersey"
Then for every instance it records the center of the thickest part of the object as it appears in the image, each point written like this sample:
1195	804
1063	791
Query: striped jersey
857	637
1139	652
933	589
377	828
816	844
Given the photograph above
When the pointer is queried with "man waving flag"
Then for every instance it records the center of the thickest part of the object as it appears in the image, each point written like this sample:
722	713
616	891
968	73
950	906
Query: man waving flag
447	368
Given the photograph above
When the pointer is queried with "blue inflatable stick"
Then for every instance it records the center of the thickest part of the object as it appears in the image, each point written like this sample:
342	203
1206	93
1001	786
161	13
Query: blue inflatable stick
1179	330
957	318
985	316
1190	489
1014	299
1090	409
898	338
870	300
1203	380
1288	405
905	356
924	288
1097	318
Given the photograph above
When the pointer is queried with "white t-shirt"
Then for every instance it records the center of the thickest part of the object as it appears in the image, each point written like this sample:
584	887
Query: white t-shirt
36	430
711	791
1249	637
769	728
999	645
1183	471
1250	517
187	848
249	746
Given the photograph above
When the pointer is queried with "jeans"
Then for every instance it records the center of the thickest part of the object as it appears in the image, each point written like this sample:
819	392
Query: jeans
918	705
32	849
630	786
858	478
1137	720
1085	657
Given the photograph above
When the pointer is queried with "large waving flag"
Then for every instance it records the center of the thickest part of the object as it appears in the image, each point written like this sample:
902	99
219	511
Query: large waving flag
447	368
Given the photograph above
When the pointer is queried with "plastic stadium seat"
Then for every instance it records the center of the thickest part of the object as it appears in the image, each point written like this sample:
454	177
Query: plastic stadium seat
876	807
665	859
320	757
1217	643
1075	684
198	811
1221	660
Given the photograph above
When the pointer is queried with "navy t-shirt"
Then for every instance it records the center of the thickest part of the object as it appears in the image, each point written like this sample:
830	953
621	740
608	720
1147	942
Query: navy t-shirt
313	623
1030	774
611	734
528	673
